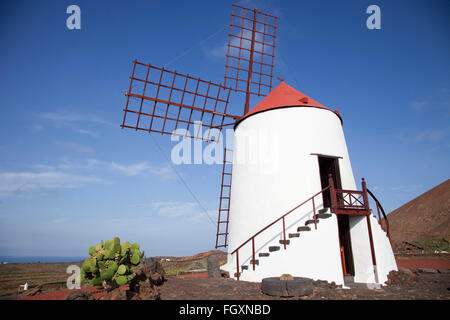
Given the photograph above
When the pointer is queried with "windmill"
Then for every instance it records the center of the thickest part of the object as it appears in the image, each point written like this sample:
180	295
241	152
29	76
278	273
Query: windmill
277	203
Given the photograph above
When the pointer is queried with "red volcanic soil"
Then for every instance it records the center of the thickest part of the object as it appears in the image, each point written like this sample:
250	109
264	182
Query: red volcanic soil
192	275
61	294
429	263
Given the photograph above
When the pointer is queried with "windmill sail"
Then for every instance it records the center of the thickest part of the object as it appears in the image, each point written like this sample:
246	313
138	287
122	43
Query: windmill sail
164	101
250	52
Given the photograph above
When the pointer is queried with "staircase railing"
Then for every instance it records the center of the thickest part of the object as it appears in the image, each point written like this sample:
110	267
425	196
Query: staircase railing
380	209
282	218
356	202
349	201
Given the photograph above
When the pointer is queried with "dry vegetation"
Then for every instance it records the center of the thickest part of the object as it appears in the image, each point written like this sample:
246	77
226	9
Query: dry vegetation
50	275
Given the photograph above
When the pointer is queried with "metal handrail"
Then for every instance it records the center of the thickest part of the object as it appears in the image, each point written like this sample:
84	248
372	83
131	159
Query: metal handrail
252	238
380	207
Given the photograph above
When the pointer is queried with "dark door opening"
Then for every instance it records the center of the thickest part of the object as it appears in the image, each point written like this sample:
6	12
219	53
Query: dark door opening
345	243
327	166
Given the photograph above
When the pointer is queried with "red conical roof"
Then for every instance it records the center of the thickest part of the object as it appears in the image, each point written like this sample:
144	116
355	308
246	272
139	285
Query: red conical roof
284	96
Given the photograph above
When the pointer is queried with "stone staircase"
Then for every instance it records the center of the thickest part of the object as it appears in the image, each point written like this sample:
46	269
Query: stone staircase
322	214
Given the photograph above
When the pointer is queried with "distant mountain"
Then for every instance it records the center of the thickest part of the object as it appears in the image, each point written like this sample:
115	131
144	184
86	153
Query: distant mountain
425	217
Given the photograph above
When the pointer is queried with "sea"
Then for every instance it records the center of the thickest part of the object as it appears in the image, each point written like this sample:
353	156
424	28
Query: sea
41	259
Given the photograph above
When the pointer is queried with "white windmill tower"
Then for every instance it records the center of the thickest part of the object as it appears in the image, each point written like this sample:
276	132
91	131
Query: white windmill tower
288	200
284	217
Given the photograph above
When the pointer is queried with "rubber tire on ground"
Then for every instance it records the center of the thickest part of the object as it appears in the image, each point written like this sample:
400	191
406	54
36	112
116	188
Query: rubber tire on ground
299	287
287	288
274	287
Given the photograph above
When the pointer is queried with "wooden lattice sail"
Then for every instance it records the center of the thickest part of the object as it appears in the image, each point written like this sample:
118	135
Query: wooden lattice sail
162	101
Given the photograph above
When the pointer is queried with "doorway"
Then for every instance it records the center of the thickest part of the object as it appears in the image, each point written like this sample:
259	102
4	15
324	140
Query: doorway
327	166
345	245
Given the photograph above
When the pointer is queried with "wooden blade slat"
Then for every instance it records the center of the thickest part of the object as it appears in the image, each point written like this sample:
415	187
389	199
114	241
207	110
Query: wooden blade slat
163	97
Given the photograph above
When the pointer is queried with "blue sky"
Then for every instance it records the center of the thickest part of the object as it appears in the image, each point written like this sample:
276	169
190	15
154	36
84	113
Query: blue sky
70	176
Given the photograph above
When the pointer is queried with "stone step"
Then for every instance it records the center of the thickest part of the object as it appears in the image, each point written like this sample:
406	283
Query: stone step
283	241
311	221
274	248
294	235
324	210
256	262
244	268
323	215
303	229
264	254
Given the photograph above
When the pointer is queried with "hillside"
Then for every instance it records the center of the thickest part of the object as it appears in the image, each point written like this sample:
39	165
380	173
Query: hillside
423	218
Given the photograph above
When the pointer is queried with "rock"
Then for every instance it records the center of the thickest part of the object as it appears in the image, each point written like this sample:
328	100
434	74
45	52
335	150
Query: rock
145	290
110	285
406	270
213	266
79	295
156	267
32	292
332	285
156	278
427	270
400	278
142	286
115	294
297	287
324	284
321	284
224	274
415	271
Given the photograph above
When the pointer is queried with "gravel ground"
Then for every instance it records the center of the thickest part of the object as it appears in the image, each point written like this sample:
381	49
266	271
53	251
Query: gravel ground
435	286
423	286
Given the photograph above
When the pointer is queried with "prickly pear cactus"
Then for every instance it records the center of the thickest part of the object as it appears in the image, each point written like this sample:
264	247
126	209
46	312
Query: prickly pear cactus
111	262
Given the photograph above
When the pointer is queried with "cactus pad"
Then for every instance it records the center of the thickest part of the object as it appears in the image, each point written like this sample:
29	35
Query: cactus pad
111	260
122	269
121	280
91	250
